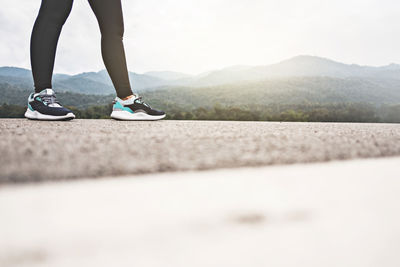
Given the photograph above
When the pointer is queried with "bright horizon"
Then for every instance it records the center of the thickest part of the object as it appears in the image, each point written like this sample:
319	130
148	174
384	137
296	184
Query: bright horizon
202	35
207	71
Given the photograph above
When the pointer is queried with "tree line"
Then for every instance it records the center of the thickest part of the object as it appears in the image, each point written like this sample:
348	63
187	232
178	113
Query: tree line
348	112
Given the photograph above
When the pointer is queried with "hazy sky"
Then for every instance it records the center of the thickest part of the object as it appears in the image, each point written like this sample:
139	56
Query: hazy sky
198	35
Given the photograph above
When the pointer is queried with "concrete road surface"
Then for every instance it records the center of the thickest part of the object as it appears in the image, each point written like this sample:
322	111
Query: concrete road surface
34	151
327	214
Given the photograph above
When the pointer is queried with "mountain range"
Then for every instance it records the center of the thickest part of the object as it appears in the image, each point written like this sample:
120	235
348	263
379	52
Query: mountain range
99	83
299	80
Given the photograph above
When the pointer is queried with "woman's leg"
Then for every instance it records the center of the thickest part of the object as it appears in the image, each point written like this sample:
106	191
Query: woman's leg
109	16
45	34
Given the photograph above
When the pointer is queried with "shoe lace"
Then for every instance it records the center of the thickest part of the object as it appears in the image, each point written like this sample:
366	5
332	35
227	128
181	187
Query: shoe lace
140	101
50	100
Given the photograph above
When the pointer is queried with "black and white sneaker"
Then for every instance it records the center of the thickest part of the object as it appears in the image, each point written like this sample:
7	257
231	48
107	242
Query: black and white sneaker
44	106
134	109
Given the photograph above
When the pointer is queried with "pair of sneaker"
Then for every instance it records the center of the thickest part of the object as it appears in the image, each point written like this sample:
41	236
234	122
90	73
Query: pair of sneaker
44	106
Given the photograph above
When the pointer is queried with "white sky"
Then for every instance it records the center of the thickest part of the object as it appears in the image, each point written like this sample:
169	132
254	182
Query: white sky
198	35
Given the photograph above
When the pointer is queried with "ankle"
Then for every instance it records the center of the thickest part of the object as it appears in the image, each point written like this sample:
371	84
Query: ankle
128	97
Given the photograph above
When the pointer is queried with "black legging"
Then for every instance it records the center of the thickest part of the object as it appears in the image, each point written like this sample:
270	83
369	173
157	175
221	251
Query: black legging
47	29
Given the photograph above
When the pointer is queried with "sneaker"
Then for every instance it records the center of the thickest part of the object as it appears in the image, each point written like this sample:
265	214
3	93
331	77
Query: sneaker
134	109
43	106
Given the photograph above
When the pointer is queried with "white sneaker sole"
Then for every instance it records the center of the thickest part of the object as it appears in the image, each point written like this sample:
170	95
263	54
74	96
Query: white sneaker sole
140	116
35	115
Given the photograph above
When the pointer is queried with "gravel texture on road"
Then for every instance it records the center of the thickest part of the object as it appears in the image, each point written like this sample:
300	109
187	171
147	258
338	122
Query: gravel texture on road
36	151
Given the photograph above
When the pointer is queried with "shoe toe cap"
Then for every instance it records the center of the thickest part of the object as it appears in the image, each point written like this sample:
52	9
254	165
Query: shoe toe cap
157	112
61	111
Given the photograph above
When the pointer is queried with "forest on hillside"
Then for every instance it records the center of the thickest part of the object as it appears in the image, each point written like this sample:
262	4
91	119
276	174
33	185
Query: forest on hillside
296	100
354	112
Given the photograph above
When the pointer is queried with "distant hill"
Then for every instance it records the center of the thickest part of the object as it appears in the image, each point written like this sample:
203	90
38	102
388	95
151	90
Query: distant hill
15	72
16	76
97	83
280	91
81	85
316	66
302	79
14	95
301	66
248	95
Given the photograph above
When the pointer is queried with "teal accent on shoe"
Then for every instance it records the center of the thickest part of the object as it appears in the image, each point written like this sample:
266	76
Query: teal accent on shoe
30	107
40	99
118	105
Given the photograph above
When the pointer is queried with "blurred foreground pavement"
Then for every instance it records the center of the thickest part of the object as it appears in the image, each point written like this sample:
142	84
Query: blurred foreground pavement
325	214
33	151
